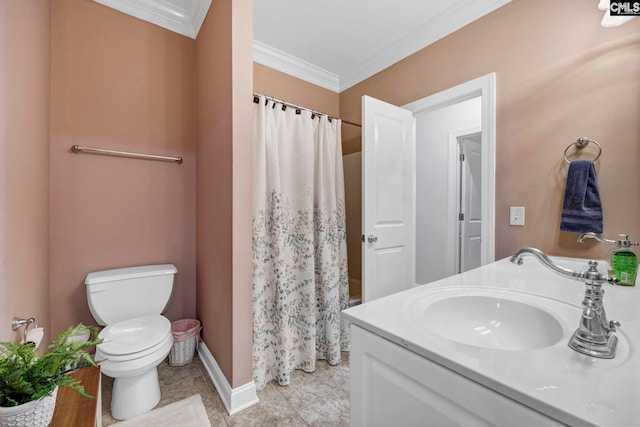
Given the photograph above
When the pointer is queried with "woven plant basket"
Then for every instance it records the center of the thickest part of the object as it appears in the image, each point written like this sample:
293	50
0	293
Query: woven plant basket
186	336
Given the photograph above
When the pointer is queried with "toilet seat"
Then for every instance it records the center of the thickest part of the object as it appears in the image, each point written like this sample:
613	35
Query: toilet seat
134	338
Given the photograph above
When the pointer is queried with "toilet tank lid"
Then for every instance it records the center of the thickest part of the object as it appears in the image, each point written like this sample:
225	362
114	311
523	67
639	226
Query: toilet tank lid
129	273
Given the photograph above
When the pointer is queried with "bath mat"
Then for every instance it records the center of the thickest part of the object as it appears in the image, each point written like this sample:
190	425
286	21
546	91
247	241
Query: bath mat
188	412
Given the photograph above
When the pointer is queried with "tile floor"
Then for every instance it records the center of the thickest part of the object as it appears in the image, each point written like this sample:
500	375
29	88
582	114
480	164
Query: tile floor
320	398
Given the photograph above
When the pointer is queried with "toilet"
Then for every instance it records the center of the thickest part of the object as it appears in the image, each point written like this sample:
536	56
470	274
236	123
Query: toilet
137	338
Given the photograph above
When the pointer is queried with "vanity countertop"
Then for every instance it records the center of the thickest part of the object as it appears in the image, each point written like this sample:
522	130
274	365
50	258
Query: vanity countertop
570	387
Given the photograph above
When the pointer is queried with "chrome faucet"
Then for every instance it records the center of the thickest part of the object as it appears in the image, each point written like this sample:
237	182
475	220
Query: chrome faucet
623	239
595	335
598	237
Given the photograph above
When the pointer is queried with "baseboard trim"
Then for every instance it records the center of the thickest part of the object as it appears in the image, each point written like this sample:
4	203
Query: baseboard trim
234	399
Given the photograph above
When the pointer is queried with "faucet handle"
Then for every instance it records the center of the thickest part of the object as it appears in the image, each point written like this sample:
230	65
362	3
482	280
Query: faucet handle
623	239
613	325
613	280
592	276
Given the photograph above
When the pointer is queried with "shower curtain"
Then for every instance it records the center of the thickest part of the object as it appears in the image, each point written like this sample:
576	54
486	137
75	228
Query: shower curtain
300	281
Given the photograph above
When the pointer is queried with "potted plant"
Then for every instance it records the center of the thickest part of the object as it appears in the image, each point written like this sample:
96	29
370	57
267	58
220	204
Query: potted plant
29	384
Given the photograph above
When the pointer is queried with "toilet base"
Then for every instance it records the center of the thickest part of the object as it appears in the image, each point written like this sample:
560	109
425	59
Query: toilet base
133	396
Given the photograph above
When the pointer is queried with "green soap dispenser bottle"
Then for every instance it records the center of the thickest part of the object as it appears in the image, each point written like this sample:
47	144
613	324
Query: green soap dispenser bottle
624	261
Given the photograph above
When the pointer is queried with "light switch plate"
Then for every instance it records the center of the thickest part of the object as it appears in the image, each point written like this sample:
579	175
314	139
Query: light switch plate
516	215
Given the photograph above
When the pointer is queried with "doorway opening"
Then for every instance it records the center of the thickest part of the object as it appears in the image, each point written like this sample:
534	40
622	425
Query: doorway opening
468	198
392	176
442	258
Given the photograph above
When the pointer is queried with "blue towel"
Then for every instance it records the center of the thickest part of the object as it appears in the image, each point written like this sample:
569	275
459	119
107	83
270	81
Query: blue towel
582	208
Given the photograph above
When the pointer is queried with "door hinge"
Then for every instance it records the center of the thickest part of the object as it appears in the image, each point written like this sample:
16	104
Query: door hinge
462	157
460	217
363	238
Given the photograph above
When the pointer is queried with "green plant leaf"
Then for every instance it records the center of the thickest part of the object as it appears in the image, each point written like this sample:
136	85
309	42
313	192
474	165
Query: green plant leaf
24	377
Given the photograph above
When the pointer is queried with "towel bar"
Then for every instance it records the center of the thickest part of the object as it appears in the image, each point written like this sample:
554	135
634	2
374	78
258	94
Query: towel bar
78	149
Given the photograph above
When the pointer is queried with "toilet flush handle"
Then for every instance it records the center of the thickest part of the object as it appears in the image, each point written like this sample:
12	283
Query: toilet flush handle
96	289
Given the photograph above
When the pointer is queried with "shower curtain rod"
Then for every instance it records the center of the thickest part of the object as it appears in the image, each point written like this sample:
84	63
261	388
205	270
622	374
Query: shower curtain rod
288	104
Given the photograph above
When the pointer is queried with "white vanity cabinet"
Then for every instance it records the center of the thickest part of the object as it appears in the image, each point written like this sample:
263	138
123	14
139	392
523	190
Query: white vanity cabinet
488	347
393	386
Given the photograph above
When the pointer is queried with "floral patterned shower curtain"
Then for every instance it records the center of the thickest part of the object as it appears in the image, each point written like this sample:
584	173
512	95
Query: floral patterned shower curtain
300	282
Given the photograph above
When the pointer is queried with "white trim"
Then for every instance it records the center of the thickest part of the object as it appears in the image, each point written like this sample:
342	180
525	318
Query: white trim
289	64
182	17
484	87
199	15
452	205
235	400
453	201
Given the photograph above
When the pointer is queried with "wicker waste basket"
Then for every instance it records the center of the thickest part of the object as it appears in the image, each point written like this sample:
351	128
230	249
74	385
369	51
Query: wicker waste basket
186	336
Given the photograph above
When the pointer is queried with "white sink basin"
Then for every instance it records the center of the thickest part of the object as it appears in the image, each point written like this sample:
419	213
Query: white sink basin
493	319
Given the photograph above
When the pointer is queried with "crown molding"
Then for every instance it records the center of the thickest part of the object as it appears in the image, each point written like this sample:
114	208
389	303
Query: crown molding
289	64
433	30
428	33
181	16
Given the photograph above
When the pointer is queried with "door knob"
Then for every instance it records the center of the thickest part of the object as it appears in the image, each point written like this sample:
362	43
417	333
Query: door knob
371	238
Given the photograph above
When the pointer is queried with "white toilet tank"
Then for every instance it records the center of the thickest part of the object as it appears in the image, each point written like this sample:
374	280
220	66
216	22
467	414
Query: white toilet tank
126	293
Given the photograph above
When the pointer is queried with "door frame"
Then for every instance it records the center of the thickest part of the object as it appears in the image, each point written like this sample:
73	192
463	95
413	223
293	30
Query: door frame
453	201
485	87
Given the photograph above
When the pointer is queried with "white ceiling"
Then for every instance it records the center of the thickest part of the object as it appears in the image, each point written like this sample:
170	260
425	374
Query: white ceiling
331	43
338	43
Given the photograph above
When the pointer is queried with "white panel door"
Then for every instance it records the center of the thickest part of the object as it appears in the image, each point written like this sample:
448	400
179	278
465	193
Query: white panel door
470	205
388	199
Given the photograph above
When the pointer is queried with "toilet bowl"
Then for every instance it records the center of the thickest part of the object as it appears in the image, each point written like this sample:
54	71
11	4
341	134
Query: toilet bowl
137	338
131	351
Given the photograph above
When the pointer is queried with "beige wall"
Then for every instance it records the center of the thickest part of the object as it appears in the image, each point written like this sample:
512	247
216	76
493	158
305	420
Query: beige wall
242	36
560	75
224	71
120	83
24	163
288	88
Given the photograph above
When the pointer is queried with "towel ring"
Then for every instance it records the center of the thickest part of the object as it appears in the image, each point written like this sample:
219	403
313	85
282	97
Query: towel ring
581	143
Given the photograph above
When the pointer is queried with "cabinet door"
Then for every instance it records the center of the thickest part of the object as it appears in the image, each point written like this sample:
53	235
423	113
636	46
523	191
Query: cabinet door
392	386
